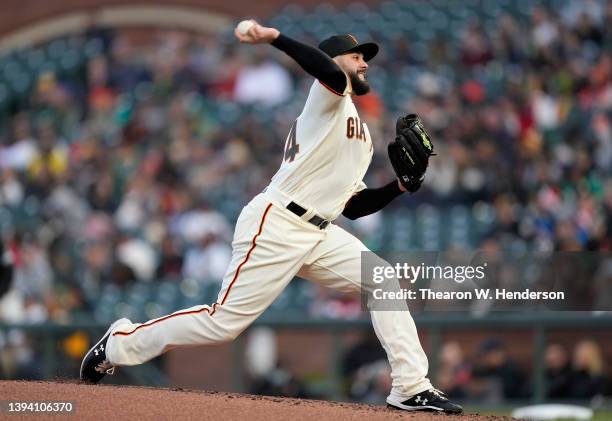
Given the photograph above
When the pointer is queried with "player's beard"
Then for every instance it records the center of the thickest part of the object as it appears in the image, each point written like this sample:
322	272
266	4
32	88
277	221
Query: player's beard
360	87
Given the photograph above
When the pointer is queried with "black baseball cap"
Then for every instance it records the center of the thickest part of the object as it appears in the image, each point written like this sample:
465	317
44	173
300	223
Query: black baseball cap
347	43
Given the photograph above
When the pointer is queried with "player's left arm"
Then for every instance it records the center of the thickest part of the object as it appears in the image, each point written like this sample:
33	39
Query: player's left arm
368	201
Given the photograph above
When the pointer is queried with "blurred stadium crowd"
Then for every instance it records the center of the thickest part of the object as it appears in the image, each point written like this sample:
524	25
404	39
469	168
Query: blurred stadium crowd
134	165
489	375
126	156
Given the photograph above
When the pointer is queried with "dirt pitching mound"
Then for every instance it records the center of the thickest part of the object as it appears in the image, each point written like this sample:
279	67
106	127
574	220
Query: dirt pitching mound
140	403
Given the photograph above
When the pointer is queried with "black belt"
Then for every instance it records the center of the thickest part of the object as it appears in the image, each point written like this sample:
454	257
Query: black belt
315	220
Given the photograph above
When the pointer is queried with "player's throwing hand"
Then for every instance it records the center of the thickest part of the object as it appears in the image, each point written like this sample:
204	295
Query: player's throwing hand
257	34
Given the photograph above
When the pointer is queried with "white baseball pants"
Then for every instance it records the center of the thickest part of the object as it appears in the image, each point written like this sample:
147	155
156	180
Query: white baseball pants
271	245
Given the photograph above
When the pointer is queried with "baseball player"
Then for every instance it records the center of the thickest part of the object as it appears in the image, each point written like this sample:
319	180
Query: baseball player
288	230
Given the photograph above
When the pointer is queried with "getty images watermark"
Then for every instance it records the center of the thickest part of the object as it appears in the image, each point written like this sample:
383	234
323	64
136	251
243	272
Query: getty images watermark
440	281
458	274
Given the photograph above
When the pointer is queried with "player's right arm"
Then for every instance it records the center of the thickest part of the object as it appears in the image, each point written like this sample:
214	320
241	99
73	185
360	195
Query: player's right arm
314	61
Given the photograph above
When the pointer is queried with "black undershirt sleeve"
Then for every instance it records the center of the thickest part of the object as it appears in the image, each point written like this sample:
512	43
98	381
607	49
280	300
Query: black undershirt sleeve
368	201
314	61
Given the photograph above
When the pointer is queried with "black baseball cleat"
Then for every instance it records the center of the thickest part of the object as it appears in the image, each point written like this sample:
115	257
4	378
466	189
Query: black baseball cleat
431	400
95	365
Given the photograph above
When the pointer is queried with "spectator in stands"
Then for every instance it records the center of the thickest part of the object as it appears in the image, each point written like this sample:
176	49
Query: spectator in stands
11	188
279	382
558	372
127	66
498	376
586	30
328	303
207	261
170	260
263	81
19	357
509	42
22	147
594	9
370	382
454	373
475	48
50	164
101	195
269	377
365	370
588	372
6	269
138	255
32	277
545	30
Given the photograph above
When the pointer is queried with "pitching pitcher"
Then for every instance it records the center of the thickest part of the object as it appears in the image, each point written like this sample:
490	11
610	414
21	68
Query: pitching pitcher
288	229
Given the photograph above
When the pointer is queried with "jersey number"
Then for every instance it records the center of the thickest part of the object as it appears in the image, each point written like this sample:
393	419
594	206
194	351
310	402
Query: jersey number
291	146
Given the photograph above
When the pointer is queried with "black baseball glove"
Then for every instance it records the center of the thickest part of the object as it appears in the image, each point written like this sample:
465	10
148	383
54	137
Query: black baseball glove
410	151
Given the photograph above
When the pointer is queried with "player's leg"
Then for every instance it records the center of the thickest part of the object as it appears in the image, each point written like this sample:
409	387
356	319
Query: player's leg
268	249
336	263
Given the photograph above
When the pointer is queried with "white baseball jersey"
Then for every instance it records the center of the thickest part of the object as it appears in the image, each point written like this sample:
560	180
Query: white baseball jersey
327	153
326	156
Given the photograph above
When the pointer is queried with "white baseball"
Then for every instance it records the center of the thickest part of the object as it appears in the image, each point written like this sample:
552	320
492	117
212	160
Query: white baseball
244	26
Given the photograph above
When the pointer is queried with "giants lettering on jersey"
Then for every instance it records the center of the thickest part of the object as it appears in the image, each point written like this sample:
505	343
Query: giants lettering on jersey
354	129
